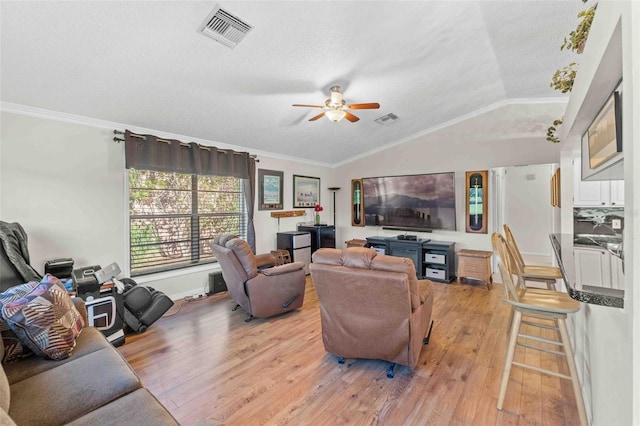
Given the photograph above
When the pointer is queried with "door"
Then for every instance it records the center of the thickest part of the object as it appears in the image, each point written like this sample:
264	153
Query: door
526	209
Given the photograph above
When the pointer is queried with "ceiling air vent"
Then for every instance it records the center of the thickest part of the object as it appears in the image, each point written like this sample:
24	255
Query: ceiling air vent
224	27
385	120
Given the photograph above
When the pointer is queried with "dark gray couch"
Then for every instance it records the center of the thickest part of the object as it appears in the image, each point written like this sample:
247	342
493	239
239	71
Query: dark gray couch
94	386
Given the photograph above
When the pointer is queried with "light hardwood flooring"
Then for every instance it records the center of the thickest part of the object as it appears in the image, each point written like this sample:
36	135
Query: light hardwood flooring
206	365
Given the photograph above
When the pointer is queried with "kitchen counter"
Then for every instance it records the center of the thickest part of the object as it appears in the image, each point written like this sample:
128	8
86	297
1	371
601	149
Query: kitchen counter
563	245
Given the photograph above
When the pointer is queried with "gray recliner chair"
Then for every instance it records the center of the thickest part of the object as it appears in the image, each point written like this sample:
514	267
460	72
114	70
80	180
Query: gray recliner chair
261	293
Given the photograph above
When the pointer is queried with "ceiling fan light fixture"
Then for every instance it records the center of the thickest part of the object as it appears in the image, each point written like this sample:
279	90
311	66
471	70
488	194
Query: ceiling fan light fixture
335	115
336	97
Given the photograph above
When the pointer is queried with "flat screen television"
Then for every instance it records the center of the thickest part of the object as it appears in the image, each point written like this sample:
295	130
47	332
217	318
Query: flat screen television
410	202
605	133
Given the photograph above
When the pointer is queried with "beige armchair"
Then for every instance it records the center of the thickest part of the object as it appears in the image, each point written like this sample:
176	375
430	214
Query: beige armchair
372	306
263	293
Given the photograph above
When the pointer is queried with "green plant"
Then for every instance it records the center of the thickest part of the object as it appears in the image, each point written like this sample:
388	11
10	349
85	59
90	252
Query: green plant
551	131
578	37
563	79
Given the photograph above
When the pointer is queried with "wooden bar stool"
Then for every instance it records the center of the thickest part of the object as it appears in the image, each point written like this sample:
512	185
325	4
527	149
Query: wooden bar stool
540	304
536	273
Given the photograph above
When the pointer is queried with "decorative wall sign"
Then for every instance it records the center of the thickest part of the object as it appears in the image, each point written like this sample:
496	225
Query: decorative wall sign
476	201
357	206
555	189
306	191
270	184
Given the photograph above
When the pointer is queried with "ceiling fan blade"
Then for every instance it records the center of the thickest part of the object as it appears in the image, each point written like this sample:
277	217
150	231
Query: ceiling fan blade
309	106
317	116
352	118
371	105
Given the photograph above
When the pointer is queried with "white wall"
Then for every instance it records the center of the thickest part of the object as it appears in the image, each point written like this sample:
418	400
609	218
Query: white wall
606	339
65	183
266	226
632	197
462	147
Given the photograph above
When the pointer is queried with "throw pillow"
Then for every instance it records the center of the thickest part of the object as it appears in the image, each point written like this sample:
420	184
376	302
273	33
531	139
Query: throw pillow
46	319
13	347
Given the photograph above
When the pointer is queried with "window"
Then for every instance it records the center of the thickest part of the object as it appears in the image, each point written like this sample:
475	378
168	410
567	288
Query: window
173	217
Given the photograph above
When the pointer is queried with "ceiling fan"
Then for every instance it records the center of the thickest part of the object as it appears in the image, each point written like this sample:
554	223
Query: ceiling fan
336	108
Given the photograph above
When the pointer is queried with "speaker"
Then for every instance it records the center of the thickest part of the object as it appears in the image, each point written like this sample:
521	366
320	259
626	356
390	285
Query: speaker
216	283
106	313
85	282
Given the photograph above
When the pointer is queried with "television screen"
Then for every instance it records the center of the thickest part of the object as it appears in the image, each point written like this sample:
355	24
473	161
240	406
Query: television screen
411	202
605	133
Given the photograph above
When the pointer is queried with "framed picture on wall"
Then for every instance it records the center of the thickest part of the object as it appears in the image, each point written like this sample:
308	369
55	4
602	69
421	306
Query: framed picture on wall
306	191
476	201
270	184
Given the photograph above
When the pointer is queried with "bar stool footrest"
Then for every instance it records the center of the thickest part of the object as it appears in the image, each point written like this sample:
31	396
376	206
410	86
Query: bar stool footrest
542	370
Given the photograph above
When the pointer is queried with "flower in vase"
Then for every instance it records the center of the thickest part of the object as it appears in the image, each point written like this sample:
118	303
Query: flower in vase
318	208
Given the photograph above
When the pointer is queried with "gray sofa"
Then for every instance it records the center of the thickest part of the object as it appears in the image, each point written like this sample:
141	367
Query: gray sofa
93	386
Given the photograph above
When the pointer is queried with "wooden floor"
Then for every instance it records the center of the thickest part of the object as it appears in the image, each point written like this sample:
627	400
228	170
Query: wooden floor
206	365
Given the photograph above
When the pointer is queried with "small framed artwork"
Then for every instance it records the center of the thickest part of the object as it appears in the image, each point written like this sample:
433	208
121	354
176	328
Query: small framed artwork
476	201
270	184
306	191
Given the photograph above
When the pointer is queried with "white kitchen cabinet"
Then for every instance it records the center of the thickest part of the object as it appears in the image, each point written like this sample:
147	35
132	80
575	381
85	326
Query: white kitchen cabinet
617	275
616	193
593	266
604	193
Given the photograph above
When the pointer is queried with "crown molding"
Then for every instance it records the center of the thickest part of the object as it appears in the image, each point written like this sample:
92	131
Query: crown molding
459	119
94	122
112	125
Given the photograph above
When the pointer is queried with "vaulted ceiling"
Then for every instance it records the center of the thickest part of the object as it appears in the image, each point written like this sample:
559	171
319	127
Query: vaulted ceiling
431	63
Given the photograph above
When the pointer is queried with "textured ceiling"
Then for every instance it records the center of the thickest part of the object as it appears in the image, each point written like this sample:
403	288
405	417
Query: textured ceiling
144	64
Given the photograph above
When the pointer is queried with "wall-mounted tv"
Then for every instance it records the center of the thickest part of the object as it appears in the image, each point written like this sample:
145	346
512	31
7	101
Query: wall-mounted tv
601	146
410	202
605	133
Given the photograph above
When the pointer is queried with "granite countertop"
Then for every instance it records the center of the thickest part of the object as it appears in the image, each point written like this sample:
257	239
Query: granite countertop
563	245
596	239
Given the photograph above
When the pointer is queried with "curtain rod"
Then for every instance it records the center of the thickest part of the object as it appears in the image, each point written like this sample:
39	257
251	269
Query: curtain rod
135	135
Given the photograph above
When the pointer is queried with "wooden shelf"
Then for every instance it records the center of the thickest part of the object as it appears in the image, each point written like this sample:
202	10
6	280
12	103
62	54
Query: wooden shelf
287	213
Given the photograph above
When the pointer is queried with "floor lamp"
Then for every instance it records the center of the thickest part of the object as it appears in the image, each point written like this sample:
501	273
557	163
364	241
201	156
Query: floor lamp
334	189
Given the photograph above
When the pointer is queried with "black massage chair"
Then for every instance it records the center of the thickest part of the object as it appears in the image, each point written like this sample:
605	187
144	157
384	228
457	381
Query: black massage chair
142	305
